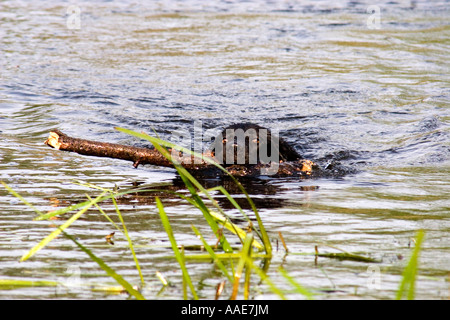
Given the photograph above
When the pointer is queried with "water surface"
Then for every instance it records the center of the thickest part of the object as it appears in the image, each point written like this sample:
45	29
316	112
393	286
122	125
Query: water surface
336	86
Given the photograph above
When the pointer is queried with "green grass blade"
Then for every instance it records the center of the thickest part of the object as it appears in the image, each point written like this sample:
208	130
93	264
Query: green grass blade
130	243
61	211
234	228
236	205
223	256
106	215
18	196
298	288
9	284
185	280
219	218
266	279
178	256
246	260
213	255
245	253
248	274
109	271
190	182
263	234
230	198
55	233
410	273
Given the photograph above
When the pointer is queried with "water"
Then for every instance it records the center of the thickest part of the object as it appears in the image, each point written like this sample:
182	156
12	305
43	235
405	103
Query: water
319	71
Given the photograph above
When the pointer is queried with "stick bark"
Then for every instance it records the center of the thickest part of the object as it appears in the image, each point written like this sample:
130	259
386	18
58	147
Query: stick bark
139	156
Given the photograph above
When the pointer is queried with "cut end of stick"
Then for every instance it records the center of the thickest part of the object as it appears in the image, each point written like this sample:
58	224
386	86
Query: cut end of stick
308	166
53	140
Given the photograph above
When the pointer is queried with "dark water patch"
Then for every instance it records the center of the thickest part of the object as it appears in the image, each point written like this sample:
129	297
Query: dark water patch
23	92
107	103
146	100
429	123
334	25
83	95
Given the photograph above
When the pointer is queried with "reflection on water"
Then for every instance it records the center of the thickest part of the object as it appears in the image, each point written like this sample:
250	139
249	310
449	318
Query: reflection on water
340	86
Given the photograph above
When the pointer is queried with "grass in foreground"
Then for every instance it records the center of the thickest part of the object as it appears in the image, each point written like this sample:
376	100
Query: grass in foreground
241	260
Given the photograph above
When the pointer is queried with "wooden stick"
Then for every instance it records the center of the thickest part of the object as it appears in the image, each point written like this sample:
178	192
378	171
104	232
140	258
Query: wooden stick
61	141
